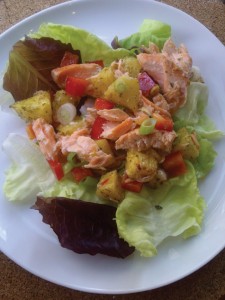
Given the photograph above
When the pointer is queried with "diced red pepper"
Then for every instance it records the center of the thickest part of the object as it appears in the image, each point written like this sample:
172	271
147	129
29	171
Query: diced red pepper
163	123
174	164
97	128
131	185
146	83
69	59
76	87
57	169
80	173
103	104
98	62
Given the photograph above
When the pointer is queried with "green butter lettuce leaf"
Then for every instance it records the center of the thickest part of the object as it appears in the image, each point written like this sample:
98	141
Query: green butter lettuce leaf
192	114
207	129
68	188
197	100
204	163
150	30
91	47
29	172
176	209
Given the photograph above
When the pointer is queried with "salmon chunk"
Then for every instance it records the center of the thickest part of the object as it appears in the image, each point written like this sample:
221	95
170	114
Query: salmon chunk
66	142
46	138
179	56
171	69
86	149
114	114
84	71
113	130
161	140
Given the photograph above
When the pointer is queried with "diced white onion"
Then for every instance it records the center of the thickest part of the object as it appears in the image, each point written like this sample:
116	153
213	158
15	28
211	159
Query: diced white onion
66	113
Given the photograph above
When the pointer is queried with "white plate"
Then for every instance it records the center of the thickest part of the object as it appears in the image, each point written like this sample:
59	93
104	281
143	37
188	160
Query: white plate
32	244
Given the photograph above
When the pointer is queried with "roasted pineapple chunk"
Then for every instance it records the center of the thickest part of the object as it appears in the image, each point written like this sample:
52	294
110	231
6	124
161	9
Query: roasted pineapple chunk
38	106
124	91
131	65
100	82
141	165
104	146
187	143
68	129
109	187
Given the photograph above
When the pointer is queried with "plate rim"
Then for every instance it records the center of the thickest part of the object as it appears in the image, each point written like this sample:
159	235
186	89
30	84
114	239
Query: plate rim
102	291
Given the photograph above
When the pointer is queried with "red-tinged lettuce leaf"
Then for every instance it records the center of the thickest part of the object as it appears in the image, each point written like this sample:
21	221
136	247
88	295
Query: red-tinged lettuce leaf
83	227
30	64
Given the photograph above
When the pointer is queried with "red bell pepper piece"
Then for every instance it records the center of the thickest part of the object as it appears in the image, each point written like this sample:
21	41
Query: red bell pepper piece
131	185
57	169
103	104
69	59
76	87
174	164
98	62
163	123
146	83
80	173
97	128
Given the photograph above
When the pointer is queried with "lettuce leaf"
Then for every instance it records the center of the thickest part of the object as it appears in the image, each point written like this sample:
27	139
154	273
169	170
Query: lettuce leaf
68	188
29	172
83	227
204	163
192	114
30	64
150	30
176	209
91	47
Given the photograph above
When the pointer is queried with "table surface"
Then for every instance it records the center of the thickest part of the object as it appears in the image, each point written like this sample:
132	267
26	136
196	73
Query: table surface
206	283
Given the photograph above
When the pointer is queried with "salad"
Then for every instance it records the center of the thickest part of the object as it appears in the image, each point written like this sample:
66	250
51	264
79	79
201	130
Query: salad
116	137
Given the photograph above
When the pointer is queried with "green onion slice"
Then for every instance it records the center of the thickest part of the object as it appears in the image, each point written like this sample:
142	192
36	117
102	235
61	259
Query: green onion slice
66	113
147	126
68	166
71	156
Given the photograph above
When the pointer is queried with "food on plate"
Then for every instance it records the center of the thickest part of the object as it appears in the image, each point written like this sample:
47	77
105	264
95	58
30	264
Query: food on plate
88	227
117	138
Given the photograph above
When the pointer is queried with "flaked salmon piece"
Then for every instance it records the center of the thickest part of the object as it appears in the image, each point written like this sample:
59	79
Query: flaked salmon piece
178	55
161	140
100	161
66	142
140	117
153	107
113	130
163	71
90	116
84	71
151	49
167	75
114	114
161	102
174	98
86	149
46	138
